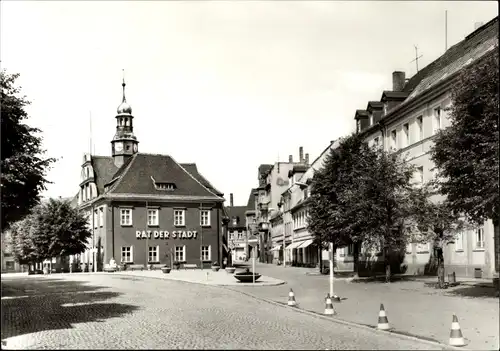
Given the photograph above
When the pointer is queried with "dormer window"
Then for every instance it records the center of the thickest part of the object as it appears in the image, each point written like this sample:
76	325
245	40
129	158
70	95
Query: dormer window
165	186
371	118
385	108
358	123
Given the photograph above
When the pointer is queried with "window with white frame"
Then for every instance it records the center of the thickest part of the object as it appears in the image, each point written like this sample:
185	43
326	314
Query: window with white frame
358	123
459	241
205	218
126	216
371	119
154	254
437	120
231	236
205	253
153	216
127	254
96	218
420	128
394	139
420	175
406	134
350	249
385	108
409	248
480	238
240	235
179	217
423	248
101	216
180	253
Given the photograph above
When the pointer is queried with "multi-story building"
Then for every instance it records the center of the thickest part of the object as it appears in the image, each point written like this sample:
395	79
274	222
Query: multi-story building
272	182
241	241
406	121
292	241
147	208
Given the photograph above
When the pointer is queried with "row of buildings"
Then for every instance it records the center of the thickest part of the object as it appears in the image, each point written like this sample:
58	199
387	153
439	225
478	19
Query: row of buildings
150	209
405	120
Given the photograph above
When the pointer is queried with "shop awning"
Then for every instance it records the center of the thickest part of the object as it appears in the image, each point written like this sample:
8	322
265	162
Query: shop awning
305	244
294	245
276	248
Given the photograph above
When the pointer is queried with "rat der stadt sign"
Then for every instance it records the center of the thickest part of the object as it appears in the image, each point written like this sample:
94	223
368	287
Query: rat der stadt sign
165	234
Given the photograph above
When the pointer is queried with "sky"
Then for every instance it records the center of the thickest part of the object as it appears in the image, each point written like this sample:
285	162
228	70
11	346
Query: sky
229	85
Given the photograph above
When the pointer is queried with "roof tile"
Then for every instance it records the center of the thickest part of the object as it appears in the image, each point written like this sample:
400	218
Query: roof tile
136	177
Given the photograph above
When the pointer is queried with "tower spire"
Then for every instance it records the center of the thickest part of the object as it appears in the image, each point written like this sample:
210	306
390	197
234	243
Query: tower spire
123	85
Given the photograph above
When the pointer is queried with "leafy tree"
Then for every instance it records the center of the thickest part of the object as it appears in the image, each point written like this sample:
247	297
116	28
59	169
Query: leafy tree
333	209
51	229
436	223
385	199
466	153
22	163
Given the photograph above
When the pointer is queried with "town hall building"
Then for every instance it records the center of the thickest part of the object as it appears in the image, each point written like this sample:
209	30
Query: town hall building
147	208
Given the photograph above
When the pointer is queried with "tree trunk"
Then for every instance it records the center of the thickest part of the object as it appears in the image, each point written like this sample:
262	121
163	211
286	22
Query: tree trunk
356	259
440	271
320	259
387	266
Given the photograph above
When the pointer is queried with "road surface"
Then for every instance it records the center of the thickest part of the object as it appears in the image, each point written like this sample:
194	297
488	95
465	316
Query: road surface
116	312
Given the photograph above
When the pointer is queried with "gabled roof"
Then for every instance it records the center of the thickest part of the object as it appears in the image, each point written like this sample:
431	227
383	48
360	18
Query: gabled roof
104	169
135	177
239	213
264	168
193	170
361	114
394	95
377	105
454	59
251	199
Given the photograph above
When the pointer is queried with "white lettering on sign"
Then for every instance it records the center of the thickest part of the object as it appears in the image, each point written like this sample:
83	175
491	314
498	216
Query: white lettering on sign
165	234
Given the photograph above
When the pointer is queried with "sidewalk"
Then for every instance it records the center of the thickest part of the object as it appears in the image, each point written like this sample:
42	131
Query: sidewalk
411	306
206	276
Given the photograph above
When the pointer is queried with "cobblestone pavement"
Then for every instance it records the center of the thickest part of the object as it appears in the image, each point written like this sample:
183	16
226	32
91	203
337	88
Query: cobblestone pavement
85	311
411	306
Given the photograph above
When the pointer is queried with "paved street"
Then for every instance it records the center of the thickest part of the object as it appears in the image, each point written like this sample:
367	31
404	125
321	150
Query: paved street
105	311
411	307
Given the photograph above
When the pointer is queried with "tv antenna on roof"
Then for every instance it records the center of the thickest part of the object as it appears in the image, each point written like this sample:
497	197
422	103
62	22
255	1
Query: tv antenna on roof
416	57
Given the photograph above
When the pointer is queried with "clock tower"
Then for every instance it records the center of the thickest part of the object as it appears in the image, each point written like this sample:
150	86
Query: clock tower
124	143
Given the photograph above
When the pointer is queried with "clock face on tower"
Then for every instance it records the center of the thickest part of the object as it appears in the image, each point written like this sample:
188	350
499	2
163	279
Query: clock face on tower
135	147
118	147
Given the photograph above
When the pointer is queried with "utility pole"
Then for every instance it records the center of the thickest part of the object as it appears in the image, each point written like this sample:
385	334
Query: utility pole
331	270
416	57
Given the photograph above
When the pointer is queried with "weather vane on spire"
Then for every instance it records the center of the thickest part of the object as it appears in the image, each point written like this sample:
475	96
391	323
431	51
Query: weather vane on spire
123	84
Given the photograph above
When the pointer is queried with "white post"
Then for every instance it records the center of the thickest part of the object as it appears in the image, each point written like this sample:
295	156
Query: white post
331	269
95	259
253	267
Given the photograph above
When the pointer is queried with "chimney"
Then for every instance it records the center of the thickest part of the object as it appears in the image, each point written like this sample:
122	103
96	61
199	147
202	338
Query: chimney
477	25
398	81
290	159
307	159
301	154
231	200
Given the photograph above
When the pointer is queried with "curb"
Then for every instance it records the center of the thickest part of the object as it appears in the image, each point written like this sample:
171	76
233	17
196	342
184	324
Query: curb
393	332
281	282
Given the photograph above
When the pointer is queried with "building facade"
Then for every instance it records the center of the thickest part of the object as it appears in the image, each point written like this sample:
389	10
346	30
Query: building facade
273	180
240	238
406	121
147	208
